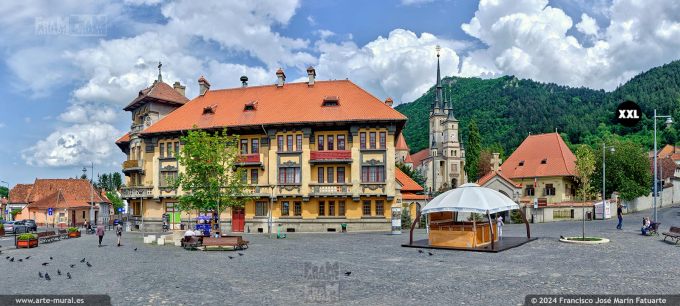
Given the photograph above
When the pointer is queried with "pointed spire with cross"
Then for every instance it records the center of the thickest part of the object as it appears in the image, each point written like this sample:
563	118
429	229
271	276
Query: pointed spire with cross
160	76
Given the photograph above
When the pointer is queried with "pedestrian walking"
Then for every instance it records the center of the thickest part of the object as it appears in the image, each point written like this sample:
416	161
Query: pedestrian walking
119	232
619	214
100	233
499	224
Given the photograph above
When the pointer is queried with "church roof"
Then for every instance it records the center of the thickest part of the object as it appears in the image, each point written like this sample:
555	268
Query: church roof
419	156
540	155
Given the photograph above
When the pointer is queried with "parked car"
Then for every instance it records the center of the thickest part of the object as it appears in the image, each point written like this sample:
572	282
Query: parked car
8	226
18	227
31	225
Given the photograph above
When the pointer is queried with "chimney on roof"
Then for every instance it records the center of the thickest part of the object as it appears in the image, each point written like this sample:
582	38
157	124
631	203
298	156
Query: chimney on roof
281	78
389	102
311	73
203	85
244	81
181	89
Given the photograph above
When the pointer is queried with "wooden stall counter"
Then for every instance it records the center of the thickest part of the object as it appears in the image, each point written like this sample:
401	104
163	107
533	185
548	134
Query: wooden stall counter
461	234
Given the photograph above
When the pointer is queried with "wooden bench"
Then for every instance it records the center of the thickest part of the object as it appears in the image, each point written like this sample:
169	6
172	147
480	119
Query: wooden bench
231	242
191	242
674	233
46	237
63	234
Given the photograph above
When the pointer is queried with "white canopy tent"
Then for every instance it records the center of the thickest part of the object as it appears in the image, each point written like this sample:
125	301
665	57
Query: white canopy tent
470	197
448	231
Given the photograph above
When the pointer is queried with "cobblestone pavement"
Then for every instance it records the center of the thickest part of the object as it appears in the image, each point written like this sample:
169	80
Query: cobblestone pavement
293	271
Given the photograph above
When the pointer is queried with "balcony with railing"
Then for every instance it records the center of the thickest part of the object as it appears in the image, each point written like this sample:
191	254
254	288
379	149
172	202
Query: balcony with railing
256	191
137	192
250	160
329	189
133	165
333	156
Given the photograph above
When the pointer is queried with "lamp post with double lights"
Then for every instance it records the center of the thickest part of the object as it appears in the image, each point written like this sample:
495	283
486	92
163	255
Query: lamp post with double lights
669	121
604	164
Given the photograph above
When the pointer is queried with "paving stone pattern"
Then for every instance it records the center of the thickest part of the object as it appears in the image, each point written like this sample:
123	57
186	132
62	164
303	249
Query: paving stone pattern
310	269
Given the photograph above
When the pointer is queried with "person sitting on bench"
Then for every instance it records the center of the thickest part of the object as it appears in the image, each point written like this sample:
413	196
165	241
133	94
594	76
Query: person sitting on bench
646	223
189	233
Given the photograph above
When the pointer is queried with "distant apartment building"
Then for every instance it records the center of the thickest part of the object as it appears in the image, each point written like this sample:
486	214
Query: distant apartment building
317	154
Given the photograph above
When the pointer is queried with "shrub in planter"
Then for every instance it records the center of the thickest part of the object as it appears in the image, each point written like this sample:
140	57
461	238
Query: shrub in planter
27	240
73	232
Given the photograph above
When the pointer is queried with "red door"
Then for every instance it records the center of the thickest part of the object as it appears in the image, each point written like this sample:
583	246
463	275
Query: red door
238	219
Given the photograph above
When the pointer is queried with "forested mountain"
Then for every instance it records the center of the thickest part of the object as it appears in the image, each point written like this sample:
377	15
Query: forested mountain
508	109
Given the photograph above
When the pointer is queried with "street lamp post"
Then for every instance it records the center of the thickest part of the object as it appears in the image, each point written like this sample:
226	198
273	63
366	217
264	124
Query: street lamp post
604	157
8	201
669	121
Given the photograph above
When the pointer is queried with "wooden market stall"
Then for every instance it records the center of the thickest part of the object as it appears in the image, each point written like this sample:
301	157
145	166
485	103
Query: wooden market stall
461	219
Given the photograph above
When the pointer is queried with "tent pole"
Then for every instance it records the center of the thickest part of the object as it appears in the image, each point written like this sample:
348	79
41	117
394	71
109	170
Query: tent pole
413	226
526	222
490	227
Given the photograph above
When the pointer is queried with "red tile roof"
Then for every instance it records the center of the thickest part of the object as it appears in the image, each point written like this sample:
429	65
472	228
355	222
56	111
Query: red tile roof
124	138
666	167
20	192
413	196
675	157
419	156
559	160
292	103
667	151
401	143
159	92
408	159
57	200
487	177
407	183
72	190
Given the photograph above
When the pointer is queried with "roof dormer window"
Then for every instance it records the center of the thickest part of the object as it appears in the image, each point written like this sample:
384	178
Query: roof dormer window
331	101
251	106
209	110
544	161
521	163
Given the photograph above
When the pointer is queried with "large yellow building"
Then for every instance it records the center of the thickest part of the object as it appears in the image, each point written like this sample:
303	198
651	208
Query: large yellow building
317	154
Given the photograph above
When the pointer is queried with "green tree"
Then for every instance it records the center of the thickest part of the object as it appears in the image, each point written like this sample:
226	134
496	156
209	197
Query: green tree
412	173
116	181
210	180
473	148
4	192
585	166
627	170
116	202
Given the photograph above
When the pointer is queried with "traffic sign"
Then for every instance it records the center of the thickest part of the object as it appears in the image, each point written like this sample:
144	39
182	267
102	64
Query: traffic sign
120	209
50	211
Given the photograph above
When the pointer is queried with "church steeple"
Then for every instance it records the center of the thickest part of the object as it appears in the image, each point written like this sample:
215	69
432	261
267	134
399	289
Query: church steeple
438	99
449	108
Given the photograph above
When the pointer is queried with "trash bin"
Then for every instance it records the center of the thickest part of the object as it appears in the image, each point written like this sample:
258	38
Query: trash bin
181	226
589	215
344	227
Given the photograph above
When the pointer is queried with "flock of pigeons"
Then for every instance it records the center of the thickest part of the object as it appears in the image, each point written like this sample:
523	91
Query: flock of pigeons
46	276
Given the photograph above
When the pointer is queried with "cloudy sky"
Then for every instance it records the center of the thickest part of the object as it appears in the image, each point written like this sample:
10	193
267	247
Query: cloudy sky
69	67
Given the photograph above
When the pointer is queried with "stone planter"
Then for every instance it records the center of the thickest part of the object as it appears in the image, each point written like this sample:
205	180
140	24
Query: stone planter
27	244
74	234
572	240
